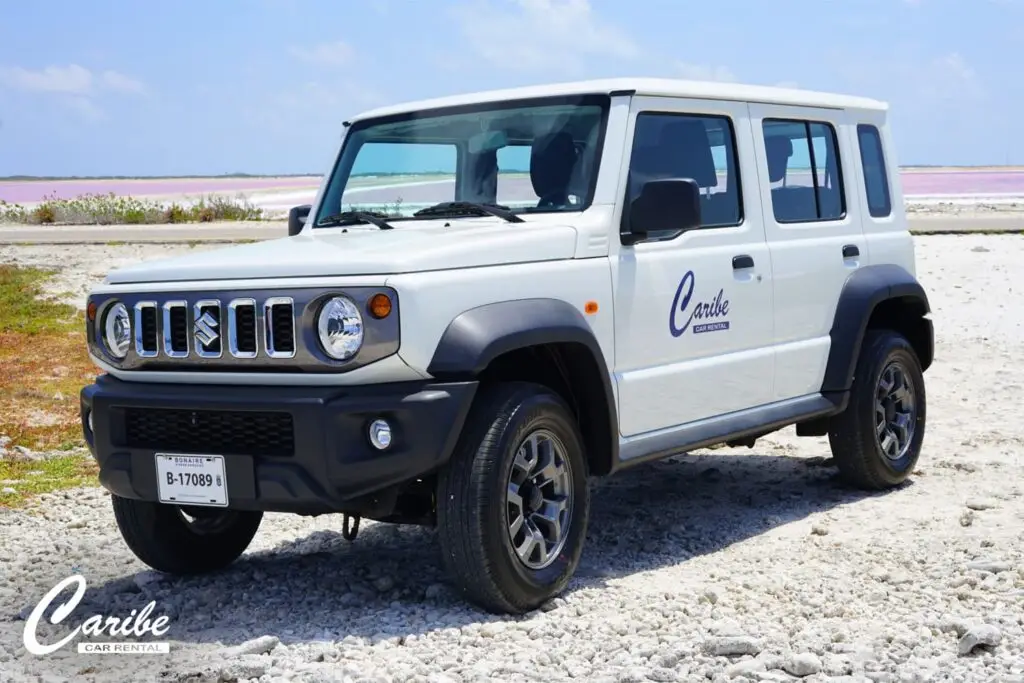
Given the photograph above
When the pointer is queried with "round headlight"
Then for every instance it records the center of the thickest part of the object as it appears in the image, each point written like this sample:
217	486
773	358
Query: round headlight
341	328
117	330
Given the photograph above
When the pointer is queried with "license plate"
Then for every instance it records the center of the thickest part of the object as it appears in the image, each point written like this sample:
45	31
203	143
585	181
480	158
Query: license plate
191	479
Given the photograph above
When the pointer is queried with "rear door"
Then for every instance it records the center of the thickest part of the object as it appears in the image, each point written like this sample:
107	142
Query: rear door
813	229
693	311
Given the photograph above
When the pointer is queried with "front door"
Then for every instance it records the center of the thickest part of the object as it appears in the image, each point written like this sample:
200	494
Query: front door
693	311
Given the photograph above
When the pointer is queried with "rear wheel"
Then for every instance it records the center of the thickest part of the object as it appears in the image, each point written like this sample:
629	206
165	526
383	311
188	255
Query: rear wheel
876	441
184	540
513	501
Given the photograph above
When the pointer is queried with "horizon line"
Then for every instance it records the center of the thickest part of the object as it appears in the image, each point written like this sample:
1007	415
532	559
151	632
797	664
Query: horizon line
244	175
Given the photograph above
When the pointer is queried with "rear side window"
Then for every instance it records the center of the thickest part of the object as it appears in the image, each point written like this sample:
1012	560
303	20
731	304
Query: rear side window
804	170
876	180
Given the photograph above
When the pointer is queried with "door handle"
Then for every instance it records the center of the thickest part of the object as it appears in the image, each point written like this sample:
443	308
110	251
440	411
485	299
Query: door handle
742	261
850	250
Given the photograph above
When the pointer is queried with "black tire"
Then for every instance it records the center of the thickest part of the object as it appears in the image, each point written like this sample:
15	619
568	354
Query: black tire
472	510
852	434
162	538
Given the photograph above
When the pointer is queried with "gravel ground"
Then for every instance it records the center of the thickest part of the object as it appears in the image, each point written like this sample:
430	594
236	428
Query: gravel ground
727	564
79	267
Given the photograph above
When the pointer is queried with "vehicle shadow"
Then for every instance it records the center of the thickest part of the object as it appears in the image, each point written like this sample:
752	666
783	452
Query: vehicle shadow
389	582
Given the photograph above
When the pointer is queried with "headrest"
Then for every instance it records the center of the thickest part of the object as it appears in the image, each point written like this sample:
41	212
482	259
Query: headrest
778	149
686	147
551	162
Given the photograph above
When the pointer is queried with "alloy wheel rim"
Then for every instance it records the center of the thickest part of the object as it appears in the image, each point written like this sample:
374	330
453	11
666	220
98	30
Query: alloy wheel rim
539	499
895	411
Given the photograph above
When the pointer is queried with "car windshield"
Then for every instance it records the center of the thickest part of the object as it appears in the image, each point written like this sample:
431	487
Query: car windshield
538	156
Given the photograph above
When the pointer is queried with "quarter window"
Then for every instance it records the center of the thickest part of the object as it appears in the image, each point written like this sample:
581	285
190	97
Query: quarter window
701	147
804	171
876	181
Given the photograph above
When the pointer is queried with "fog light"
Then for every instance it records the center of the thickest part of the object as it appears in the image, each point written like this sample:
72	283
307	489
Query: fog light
380	434
88	420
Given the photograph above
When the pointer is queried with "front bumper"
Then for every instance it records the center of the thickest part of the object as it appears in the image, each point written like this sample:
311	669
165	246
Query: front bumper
286	449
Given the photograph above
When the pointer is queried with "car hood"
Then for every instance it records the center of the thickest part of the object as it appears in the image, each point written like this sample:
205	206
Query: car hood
366	250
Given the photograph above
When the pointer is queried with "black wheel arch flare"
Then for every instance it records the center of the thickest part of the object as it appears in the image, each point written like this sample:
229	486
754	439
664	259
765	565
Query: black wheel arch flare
479	335
884	287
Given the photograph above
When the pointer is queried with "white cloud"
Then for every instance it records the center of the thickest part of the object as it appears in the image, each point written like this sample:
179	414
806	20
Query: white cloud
705	72
949	78
114	80
541	34
334	54
71	79
339	98
917	80
84	107
76	87
313	106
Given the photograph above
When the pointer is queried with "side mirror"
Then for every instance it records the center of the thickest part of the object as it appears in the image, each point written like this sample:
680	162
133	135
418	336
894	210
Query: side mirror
297	218
665	204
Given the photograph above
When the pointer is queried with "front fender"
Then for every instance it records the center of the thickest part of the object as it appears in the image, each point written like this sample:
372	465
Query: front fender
477	336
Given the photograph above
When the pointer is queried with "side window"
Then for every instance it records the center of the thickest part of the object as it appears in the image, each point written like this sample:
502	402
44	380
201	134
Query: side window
804	170
701	147
876	181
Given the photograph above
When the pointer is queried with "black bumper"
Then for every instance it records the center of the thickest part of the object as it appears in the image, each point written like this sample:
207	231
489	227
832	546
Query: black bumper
286	449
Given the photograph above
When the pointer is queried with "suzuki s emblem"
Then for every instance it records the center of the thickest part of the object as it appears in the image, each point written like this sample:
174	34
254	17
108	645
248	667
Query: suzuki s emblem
205	329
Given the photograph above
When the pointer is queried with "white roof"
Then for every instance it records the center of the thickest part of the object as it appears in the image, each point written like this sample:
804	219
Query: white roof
644	86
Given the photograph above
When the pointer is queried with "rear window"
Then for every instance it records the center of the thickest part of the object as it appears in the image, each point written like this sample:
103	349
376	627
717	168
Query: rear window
803	157
876	181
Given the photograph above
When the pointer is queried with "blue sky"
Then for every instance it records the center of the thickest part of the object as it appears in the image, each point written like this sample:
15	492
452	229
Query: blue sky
110	87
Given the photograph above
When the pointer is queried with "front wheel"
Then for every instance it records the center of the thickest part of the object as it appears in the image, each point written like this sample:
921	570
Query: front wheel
877	440
184	540
513	501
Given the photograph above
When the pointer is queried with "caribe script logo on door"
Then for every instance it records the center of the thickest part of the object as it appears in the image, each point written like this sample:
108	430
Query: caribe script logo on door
712	311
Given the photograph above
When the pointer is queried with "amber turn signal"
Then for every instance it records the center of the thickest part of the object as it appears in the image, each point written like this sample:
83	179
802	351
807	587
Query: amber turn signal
590	308
91	310
380	306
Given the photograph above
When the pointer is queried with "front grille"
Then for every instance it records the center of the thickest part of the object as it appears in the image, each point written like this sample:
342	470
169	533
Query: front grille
242	328
210	432
176	329
182	329
280	327
146	329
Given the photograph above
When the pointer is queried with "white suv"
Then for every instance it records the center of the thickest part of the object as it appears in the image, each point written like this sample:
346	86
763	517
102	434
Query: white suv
496	295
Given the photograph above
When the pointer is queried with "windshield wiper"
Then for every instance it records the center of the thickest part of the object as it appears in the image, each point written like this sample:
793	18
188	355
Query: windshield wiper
471	209
355	217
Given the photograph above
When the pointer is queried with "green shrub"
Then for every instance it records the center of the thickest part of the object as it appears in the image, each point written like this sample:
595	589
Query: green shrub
44	214
176	214
112	209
